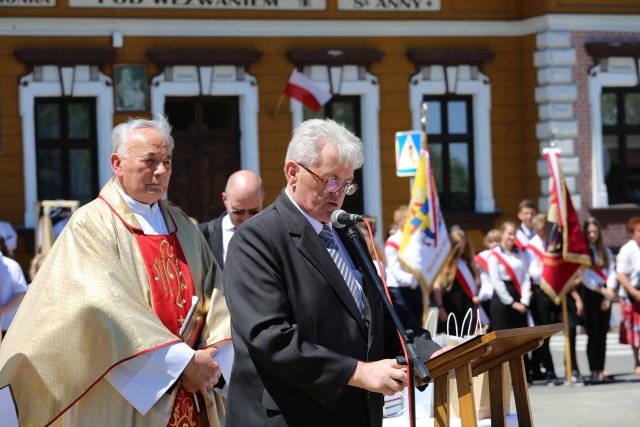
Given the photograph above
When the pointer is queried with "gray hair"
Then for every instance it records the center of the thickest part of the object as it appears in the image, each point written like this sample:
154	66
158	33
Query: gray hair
312	135
121	132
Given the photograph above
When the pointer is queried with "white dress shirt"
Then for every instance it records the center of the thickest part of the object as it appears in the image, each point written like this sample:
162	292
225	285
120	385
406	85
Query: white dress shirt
227	232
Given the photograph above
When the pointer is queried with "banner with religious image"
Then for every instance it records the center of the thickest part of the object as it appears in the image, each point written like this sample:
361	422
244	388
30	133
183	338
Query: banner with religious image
425	240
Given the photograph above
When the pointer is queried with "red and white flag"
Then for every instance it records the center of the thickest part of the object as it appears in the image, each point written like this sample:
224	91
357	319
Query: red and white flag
305	90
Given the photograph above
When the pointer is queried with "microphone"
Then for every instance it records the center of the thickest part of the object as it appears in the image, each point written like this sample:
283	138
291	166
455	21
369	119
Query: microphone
341	219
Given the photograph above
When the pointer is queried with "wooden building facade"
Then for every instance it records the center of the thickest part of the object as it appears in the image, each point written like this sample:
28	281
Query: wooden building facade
502	79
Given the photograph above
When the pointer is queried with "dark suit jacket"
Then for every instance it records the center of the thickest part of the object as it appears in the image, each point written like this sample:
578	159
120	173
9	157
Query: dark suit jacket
297	332
212	231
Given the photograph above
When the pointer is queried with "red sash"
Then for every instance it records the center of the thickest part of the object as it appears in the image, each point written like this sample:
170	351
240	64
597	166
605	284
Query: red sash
521	239
482	262
393	245
518	243
535	250
510	271
600	272
463	278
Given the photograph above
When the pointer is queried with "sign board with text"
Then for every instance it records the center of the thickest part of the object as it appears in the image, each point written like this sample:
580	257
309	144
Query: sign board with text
299	5
27	3
389	5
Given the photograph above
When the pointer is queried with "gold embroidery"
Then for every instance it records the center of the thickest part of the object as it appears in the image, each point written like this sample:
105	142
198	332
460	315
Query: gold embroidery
167	269
183	412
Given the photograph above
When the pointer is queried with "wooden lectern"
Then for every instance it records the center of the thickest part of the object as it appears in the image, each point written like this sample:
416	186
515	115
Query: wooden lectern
481	354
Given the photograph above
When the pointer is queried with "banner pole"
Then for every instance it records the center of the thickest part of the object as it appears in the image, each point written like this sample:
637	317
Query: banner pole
567	340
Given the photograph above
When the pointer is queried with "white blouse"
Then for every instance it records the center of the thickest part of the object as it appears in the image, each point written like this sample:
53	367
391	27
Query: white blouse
499	275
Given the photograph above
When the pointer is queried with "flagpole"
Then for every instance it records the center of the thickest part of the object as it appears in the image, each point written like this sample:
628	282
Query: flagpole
567	339
423	125
278	106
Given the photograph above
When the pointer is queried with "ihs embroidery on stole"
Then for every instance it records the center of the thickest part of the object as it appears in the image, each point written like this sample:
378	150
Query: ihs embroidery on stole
167	271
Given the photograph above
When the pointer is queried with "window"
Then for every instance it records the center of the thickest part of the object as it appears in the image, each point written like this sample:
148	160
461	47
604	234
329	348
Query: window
620	111
450	143
66	148
345	110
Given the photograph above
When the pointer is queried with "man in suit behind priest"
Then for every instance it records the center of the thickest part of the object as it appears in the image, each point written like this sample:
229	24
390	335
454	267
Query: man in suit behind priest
313	344
242	197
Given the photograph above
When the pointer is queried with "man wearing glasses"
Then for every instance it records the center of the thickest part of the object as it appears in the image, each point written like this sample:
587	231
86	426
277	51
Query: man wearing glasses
242	197
313	345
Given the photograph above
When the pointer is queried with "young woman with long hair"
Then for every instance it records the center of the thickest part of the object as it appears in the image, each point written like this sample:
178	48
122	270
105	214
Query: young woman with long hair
599	283
456	288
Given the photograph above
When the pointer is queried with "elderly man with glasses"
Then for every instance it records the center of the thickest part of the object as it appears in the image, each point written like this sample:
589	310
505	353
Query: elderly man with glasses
242	197
313	344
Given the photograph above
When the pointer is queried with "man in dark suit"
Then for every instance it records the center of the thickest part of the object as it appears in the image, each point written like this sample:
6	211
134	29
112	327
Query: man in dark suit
313	345
242	198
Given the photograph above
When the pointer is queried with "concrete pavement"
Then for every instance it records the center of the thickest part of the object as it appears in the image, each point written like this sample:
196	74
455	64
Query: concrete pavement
616	404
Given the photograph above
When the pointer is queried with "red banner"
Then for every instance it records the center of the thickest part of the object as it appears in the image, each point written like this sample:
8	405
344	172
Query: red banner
566	250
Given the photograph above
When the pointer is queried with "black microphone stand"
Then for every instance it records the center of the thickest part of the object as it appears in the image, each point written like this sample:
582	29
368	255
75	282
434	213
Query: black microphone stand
414	361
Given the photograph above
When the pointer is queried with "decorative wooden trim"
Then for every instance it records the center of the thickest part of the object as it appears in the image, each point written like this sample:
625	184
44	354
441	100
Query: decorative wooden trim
426	57
608	50
238	57
307	57
65	57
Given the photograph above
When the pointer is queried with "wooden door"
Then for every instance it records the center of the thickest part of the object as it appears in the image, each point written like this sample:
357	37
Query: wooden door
207	150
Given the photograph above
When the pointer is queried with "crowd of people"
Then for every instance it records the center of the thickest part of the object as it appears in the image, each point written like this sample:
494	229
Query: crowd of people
130	316
501	285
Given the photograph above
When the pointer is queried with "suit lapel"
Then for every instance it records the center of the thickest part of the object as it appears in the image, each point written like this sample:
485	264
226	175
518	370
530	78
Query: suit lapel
311	247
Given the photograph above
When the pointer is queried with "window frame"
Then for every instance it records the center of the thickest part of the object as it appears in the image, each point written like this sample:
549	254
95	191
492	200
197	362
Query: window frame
621	130
446	139
66	144
430	80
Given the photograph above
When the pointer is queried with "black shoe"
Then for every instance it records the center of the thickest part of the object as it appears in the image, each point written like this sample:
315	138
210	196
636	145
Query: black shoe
538	376
552	380
576	378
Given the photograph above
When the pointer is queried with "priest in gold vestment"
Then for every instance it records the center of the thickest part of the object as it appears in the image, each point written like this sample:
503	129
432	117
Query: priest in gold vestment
97	340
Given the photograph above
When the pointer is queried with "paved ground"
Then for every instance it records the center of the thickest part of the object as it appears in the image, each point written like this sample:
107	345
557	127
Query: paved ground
616	404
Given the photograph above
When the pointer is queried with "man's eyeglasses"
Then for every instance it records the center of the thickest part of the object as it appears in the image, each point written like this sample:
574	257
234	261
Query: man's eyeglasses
333	185
250	212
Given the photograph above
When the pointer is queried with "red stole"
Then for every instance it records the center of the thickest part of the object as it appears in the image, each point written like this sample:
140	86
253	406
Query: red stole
465	279
510	271
171	291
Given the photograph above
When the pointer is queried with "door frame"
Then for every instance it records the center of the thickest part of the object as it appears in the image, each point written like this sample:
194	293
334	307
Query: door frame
190	85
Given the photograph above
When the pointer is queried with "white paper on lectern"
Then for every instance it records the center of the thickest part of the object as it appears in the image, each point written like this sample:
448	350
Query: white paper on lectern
8	410
224	358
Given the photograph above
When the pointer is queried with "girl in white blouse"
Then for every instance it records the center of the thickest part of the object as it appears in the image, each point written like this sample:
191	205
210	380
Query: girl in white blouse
511	283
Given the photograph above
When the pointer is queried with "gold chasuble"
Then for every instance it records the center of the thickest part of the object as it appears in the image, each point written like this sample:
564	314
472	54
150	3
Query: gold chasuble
91	307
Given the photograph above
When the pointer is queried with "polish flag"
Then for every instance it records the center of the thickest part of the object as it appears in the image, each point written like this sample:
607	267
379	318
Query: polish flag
305	90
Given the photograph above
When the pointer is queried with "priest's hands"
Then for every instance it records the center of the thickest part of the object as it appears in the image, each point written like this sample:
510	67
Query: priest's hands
202	372
384	376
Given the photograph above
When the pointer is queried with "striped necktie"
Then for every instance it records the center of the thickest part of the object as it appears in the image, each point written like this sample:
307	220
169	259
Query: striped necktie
326	235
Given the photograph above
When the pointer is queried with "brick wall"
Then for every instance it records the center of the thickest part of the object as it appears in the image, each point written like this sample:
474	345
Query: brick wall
615	235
